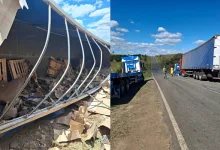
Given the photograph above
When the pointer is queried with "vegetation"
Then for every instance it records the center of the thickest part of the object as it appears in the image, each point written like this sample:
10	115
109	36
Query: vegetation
168	60
116	65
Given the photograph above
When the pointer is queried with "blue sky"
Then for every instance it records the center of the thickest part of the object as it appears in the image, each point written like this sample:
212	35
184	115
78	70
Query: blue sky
94	15
162	26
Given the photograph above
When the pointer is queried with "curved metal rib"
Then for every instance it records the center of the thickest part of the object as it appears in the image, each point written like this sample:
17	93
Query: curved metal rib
90	70
83	62
36	65
106	47
67	67
100	66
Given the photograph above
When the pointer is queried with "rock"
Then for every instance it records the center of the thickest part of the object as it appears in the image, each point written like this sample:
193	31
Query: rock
43	137
15	144
30	145
12	113
65	119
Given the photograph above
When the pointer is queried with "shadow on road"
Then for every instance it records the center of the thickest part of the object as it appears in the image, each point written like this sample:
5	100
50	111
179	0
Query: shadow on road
129	95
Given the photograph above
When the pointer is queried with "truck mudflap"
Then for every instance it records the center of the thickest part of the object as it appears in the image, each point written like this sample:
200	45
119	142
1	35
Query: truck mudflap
78	87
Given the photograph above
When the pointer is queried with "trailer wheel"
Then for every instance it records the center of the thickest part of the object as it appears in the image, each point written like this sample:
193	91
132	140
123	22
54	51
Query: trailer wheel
127	85
194	75
197	75
122	88
200	76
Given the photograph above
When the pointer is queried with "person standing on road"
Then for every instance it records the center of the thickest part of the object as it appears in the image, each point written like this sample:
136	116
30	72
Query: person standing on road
165	72
171	71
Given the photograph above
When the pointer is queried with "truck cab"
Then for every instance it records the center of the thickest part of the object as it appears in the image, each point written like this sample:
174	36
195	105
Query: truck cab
132	73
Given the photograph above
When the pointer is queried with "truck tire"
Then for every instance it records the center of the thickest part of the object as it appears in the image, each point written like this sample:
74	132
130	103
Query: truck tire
122	88
200	76
197	75
194	75
127	85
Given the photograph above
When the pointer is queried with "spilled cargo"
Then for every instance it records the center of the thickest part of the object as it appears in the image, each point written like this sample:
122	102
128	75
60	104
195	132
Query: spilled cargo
46	63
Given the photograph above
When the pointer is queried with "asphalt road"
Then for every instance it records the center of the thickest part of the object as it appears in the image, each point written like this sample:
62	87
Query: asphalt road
196	108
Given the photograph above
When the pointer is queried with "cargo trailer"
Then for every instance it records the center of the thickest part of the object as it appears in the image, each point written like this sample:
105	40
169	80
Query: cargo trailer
202	62
48	61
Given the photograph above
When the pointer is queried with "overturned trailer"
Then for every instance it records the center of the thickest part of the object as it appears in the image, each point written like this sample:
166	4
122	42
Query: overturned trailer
40	44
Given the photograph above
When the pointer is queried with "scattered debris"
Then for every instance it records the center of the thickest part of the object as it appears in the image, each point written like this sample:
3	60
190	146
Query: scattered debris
65	119
87	127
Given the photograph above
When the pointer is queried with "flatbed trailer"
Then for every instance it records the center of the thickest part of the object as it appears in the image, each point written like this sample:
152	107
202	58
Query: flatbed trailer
121	82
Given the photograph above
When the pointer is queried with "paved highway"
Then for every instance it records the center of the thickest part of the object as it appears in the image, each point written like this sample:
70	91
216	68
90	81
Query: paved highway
195	106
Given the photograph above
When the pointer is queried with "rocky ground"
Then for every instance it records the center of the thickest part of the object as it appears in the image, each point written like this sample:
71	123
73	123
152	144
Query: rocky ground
137	120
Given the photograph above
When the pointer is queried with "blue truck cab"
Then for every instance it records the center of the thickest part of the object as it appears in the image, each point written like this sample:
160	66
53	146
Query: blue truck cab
132	73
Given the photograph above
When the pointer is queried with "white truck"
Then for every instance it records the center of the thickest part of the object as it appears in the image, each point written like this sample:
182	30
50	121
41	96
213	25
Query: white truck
202	62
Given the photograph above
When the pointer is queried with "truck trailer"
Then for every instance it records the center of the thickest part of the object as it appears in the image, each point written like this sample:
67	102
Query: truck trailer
203	62
48	62
132	73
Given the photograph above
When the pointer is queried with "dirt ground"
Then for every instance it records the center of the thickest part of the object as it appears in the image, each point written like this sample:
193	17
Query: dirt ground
137	120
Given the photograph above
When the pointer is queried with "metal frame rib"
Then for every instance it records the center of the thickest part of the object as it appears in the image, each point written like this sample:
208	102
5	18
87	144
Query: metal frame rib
82	67
100	66
67	67
36	65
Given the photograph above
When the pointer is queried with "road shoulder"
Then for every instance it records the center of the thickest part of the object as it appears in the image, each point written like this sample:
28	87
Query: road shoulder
139	123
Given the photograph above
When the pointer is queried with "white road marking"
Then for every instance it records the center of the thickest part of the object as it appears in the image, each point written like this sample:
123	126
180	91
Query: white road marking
179	135
210	89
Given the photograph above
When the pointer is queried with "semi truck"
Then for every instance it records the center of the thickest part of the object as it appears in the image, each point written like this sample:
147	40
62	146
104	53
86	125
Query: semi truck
132	73
203	62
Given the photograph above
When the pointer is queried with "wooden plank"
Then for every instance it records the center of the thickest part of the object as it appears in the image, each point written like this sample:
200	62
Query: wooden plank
12	66
1	74
16	68
10	70
4	70
19	69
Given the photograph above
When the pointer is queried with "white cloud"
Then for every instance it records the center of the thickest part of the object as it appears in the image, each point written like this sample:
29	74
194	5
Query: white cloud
77	1
199	42
78	10
131	21
79	21
167	41
114	23
100	12
99	3
161	29
58	1
101	28
166	34
122	29
137	30
113	33
104	21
